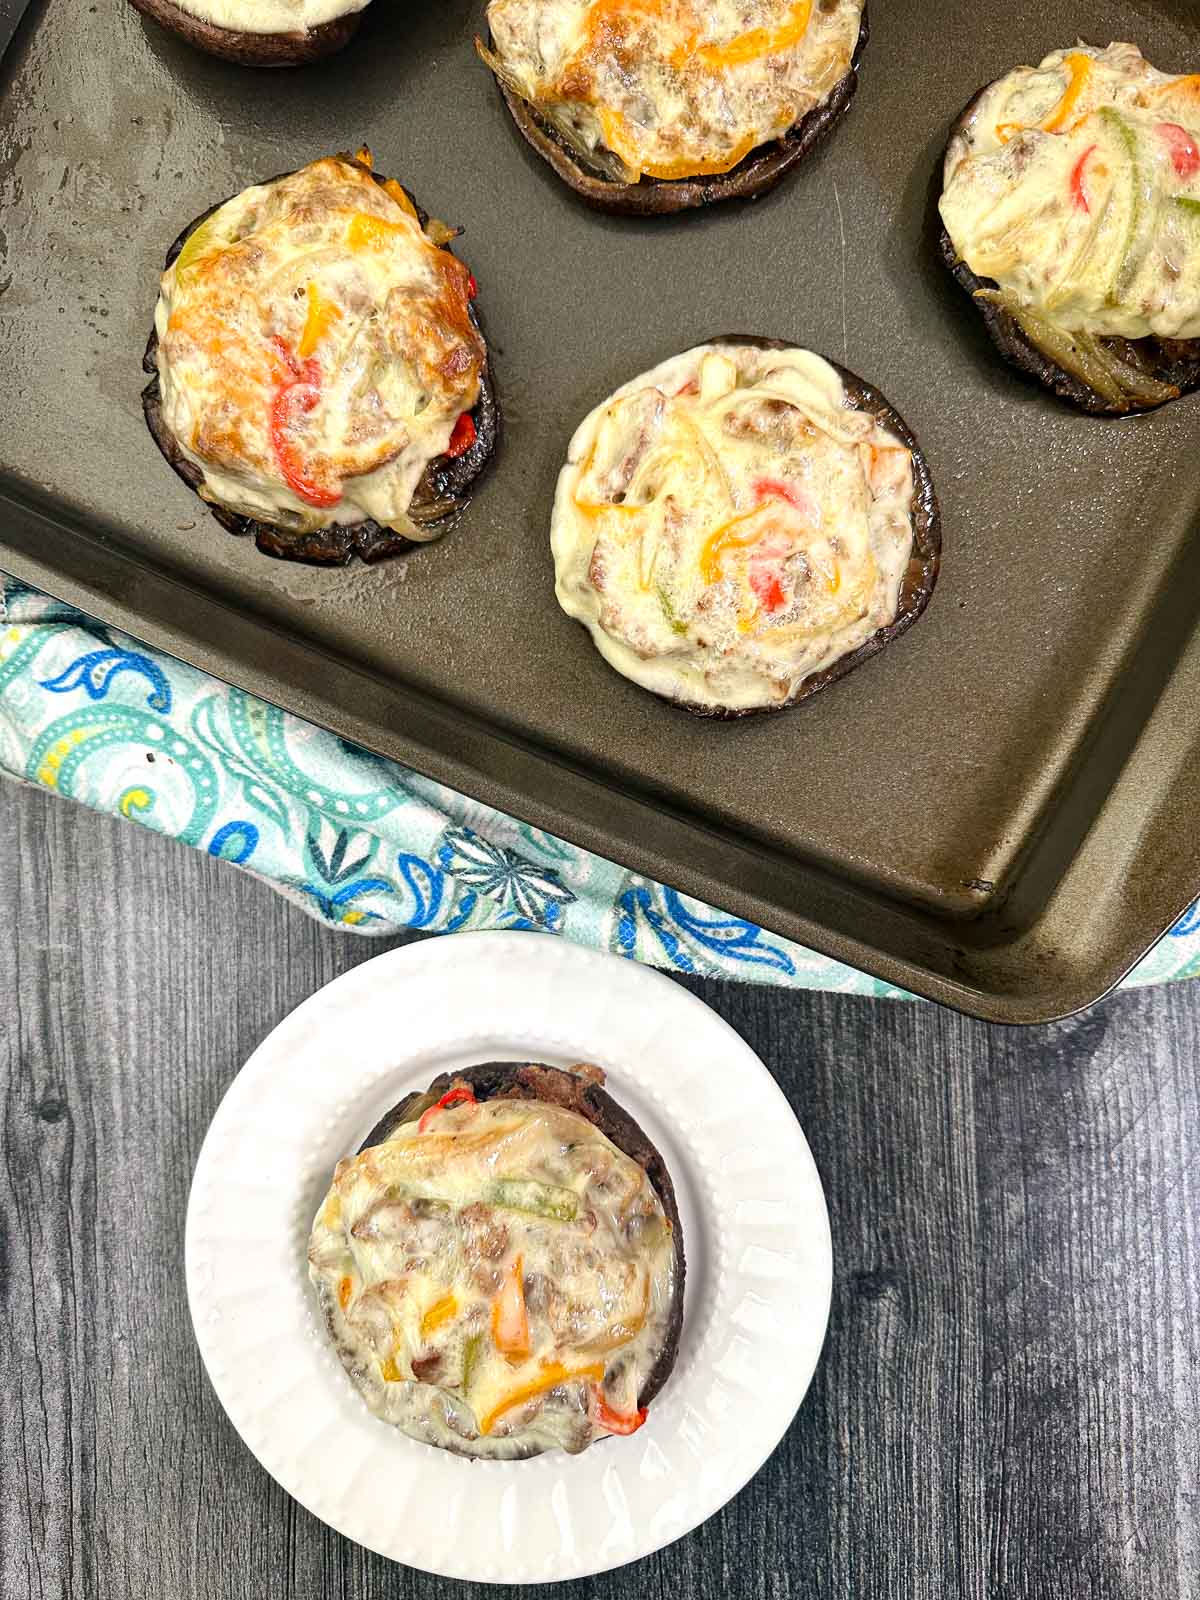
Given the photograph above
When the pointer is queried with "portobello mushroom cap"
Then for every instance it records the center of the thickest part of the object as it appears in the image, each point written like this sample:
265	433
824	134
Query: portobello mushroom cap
919	580
920	577
660	197
1171	361
512	1080
445	477
252	49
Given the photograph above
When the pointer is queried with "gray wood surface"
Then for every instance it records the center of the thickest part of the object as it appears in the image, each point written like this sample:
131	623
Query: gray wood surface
1009	1401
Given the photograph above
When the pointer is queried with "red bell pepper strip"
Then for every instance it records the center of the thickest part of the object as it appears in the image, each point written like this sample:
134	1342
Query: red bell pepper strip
298	393
777	489
452	1097
768	590
463	436
472	286
612	1421
1185	152
1078	192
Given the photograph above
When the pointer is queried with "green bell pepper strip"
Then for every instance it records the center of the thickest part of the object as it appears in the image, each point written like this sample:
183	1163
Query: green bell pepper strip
547	1200
669	612
1145	206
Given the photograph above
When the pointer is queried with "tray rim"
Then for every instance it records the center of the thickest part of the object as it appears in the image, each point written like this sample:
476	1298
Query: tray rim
24	530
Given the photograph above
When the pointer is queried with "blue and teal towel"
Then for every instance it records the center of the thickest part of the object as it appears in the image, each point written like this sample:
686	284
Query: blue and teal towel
359	842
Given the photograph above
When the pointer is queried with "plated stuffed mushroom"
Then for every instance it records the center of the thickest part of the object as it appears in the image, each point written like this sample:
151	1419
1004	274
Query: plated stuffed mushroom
501	1266
259	33
652	106
742	525
1071	211
320	378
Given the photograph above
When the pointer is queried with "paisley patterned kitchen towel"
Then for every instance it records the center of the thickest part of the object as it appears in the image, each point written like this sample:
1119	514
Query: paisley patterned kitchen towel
359	842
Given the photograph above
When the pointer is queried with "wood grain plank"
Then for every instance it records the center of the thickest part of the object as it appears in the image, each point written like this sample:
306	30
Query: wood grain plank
1091	1271
1010	1394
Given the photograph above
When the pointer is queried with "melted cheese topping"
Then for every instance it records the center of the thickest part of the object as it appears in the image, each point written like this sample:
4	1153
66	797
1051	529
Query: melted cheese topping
492	1282
727	525
316	350
1076	186
672	88
270	16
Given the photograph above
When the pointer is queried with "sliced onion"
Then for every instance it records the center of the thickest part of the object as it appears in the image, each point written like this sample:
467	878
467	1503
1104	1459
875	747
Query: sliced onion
602	159
1137	384
1084	355
420	524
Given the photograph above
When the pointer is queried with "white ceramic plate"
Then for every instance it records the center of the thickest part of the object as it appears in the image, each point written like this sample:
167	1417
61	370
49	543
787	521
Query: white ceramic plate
754	1226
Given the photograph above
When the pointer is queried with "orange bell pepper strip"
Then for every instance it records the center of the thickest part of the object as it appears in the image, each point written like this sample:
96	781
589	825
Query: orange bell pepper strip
510	1320
321	316
620	139
550	1377
1079	66
758	42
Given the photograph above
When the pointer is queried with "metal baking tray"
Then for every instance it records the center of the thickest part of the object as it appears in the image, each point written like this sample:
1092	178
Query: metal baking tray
1001	811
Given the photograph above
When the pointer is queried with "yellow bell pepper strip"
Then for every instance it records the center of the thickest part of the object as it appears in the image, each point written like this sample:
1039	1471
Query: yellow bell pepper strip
721	541
202	241
440	1311
549	1200
390	1371
510	1320
551	1375
345	1289
321	316
462	1094
364	157
612	1421
400	195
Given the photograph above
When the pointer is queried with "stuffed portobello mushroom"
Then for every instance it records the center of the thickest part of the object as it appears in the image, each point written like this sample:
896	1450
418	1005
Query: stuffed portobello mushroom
319	374
1071	215
742	525
654	106
259	33
501	1265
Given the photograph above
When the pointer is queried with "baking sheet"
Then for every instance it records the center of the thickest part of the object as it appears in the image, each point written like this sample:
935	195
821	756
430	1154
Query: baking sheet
997	811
